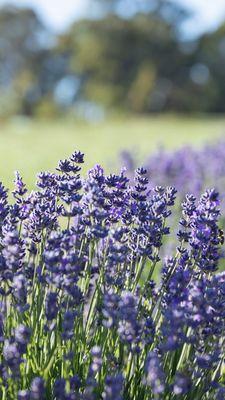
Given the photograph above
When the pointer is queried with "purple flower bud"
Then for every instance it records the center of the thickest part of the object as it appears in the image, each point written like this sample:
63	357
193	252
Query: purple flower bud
23	395
113	387
22	334
51	306
68	324
155	376
59	389
37	389
182	384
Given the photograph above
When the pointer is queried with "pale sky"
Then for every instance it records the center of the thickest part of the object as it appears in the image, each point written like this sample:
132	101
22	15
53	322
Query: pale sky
58	14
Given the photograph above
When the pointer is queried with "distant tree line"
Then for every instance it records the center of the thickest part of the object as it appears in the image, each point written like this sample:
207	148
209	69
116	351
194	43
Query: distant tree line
136	63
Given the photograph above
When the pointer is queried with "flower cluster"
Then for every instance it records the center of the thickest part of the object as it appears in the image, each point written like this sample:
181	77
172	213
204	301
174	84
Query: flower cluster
89	307
189	170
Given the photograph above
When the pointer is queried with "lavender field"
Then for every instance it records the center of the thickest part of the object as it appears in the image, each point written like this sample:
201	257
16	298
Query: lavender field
190	170
94	302
112	200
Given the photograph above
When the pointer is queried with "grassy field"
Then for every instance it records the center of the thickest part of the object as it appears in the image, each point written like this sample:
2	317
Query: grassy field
32	146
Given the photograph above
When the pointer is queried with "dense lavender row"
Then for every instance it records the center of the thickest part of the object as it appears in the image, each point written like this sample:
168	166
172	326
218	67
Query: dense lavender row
80	314
189	170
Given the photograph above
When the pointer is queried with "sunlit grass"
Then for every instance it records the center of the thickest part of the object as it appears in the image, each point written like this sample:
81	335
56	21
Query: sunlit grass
31	146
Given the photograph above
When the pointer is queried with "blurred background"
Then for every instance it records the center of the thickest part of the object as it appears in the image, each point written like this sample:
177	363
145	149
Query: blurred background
107	75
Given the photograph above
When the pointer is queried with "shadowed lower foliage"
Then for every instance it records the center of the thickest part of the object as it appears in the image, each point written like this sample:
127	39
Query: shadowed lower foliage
80	314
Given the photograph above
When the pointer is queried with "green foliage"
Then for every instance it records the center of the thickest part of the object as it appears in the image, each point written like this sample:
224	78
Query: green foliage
139	64
120	59
136	64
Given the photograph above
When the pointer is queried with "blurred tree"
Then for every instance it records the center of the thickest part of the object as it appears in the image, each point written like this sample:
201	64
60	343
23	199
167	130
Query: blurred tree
202	88
130	62
30	67
210	56
141	64
168	10
22	36
130	57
